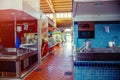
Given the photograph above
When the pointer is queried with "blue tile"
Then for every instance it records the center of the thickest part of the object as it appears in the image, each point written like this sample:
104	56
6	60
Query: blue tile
101	36
96	73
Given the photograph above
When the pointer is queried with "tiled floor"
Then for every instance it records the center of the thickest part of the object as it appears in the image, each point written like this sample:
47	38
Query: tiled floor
56	67
96	73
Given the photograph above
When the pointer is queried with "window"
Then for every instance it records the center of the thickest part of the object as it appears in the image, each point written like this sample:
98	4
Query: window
60	15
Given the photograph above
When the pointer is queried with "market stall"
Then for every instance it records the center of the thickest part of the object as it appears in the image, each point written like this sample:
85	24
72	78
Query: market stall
51	39
44	36
19	39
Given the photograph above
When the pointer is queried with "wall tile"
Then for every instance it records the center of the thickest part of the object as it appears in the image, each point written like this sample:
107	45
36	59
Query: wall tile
101	36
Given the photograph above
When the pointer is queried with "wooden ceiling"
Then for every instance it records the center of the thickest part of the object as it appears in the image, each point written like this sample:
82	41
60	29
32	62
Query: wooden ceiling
56	6
64	23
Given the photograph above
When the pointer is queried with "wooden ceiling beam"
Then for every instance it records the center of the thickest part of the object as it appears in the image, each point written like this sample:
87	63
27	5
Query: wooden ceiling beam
53	10
62	8
63	11
45	9
42	2
44	6
62	1
48	12
49	2
61	4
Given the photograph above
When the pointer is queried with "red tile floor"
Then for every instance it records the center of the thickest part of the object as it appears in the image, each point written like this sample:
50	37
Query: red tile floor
58	66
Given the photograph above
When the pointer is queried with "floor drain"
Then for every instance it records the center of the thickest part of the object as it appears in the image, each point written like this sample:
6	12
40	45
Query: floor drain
68	73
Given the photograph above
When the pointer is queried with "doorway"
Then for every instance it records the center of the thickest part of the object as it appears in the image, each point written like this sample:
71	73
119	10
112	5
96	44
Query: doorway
68	35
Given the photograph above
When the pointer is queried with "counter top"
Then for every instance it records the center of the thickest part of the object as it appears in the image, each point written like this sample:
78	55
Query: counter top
13	56
97	57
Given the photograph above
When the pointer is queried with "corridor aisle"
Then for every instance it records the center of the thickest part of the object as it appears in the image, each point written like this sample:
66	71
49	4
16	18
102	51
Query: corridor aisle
56	67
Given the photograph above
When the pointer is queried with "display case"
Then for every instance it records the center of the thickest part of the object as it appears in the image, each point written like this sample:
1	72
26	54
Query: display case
57	35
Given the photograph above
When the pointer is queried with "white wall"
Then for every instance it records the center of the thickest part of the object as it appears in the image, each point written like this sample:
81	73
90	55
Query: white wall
20	5
30	10
97	18
11	4
32	7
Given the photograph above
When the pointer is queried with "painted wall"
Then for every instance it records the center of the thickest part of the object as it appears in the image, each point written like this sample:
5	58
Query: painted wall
23	6
10	4
106	17
101	36
7	38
